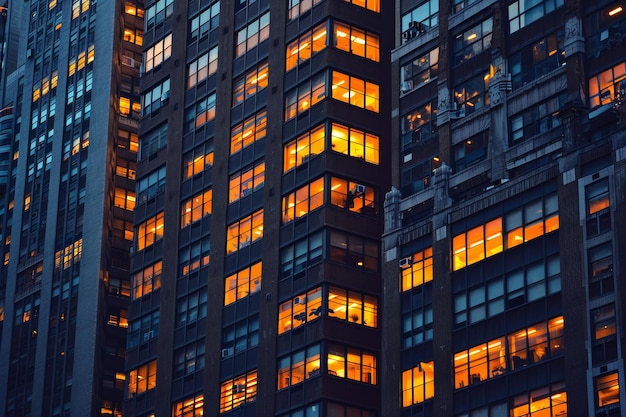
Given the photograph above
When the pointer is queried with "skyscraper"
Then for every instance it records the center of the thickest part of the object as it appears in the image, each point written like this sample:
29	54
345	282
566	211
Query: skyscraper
262	169
504	233
69	122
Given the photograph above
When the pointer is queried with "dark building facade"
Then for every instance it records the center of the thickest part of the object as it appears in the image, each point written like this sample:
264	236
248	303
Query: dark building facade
263	163
504	231
68	138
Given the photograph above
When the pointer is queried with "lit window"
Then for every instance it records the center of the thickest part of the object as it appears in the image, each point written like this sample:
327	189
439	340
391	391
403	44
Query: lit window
124	199
418	384
351	363
305	46
418	269
238	391
150	231
242	233
356	41
158	53
253	34
355	143
189	407
352	306
68	256
419	125
202	68
250	83
603	322
299	366
607	389
245	182
597	195
203	23
242	283
302	149
373	5
545	401
198	160
299	310
142	379
127	140
196	208
303	200
201	113
352	196
305	96
600	261
355	91
249	131
147	280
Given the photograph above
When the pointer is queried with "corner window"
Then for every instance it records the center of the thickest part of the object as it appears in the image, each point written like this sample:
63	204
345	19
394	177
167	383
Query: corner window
305	199
356	41
608	85
302	149
355	91
308	44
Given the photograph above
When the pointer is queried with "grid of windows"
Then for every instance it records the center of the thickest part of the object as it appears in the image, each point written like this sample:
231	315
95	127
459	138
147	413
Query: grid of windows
353	250
305	199
355	143
417	269
245	182
538	59
352	306
123	199
373	5
241	336
191	307
355	91
299	310
151	185
253	34
298	7
249	131
356	41
345	362
305	96
142	379
545	401
301	254
242	283
607	389
189	358
156	97
195	255
158	12
143	329
308	44
473	41
197	160
419	71
153	141
302	149
522	13
422	17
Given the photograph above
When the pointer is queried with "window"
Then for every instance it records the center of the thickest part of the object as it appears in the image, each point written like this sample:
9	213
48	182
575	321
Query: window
158	12
305	199
151	185
150	231
354	250
142	379
191	307
249	131
245	182
470	43
470	151
418	384
302	149
238	391
602	27
298	7
458	5
373	5
69	255
529	284
303	253
133	35
194	256
253	34
299	310
419	71
607	389
301	49
600	260
312	411
128	108
355	91
538	59
196	208
352	306
147	280
424	16
417	325
125	168
198	160
205	22
202	68
123	199
189	407
250	83
305	96
199	114
545	401
242	283
419	176
153	141
349	195
247	230
472	94
607	85
351	363
419	125
355	143
483	241
156	97
127	140
241	336
538	119
603	322
299	366
418	269
356	41
598	207
522	13
155	55
143	329
525	347
189	359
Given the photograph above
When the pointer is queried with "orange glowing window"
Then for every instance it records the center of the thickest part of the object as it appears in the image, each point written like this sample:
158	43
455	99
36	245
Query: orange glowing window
150	231
417	269
249	131
303	200
243	283
238	391
142	379
299	310
189	407
418	384
196	208
302	149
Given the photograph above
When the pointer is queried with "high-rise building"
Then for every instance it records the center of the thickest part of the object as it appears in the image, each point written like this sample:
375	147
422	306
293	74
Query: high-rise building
263	163
505	231
68	132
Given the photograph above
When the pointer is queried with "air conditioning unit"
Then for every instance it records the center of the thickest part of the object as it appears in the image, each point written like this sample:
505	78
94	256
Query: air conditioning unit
227	352
239	388
409	34
299	300
360	189
457	111
406	86
405	262
128	61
